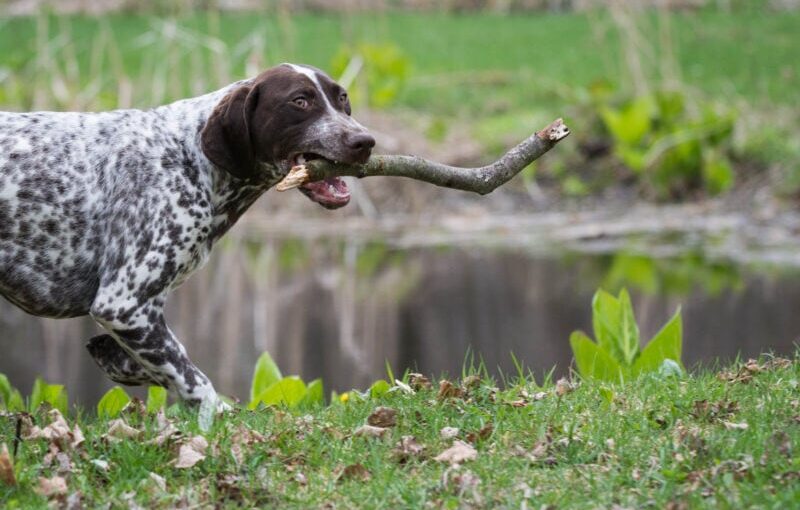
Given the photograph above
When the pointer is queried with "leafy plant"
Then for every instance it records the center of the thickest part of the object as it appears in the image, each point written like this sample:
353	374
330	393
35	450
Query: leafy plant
385	69
616	355
53	394
156	399
675	148
10	397
113	402
271	388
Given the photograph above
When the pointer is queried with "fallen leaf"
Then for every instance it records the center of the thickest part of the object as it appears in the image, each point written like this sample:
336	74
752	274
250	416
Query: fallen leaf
735	426
57	430
383	417
471	381
563	386
100	464
407	448
419	382
158	481
370	431
458	453
448	432
7	475
191	452
49	487
119	430
448	390
301	478
354	472
483	433
466	481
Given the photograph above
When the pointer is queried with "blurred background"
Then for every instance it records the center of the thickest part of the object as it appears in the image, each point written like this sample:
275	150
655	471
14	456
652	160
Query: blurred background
680	181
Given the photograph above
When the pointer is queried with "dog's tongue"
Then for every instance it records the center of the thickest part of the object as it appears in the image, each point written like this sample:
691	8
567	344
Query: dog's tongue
331	193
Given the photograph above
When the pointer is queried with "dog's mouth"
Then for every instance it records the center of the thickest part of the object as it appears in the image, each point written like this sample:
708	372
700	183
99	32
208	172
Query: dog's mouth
331	193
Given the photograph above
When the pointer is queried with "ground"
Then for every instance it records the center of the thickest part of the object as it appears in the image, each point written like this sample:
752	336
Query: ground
717	439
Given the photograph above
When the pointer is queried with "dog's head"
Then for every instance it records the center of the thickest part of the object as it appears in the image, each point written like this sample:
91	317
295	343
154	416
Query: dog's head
287	115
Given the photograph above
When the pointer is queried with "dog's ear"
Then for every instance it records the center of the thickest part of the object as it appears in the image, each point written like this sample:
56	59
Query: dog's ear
226	139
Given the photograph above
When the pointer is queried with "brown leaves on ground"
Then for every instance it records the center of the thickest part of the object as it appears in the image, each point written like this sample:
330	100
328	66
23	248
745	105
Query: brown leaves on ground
458	453
564	386
408	448
118	430
449	390
370	431
419	382
57	432
383	417
746	372
714	411
355	472
191	452
49	487
7	476
483	433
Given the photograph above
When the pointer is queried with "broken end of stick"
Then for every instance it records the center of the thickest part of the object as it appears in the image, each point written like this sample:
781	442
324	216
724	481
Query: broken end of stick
556	131
296	177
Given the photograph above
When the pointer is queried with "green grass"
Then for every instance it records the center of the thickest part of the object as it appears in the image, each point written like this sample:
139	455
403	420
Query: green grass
475	63
648	443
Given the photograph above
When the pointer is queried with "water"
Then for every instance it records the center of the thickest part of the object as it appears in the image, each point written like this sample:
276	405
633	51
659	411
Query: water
338	308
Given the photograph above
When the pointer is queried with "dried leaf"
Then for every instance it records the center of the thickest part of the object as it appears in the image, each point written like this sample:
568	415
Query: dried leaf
119	430
354	472
383	417
191	452
735	426
448	432
458	453
50	487
100	464
563	386
483	433
370	431
407	448
158	481
7	475
448	390
419	382
57	430
471	381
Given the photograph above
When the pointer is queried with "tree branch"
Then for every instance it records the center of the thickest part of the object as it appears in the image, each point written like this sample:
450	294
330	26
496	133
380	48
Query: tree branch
481	180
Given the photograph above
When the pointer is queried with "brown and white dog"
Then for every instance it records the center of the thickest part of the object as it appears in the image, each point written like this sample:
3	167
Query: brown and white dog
103	214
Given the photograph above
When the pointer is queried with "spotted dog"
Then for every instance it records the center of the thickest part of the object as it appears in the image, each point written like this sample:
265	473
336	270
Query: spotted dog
103	214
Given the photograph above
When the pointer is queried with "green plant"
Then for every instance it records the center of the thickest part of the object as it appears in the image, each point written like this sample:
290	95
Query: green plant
53	394
674	148
385	67
271	388
10	397
113	402
617	356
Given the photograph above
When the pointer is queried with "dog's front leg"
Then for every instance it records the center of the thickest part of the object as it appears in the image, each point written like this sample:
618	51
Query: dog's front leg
142	332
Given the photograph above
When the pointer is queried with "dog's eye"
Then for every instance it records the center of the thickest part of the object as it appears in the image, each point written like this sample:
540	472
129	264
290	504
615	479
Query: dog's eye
301	102
343	98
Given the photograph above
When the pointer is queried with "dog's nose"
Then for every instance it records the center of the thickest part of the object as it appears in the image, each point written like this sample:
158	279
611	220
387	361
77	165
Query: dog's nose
361	142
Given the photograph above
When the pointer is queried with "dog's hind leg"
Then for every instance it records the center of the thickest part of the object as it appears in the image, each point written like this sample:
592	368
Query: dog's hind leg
118	365
143	333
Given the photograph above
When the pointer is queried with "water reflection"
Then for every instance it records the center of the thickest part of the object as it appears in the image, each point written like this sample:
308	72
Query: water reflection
338	310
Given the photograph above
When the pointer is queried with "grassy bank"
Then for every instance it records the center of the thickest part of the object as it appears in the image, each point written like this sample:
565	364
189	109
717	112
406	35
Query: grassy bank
473	63
717	440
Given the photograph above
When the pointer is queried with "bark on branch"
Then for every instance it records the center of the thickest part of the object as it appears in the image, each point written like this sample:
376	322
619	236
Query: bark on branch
481	180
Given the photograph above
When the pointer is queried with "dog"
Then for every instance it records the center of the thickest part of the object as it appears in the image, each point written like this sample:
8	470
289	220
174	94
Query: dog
103	214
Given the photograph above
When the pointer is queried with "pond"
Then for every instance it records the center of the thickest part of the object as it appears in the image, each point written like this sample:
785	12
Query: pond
432	297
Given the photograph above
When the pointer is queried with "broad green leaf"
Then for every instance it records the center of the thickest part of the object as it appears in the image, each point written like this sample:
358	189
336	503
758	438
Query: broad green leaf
629	331
265	375
156	399
717	173
378	388
5	390
112	402
315	394
289	390
665	345
629	124
593	362
15	401
53	394
606	316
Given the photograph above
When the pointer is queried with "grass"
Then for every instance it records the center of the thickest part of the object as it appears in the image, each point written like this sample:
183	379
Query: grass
464	64
708	440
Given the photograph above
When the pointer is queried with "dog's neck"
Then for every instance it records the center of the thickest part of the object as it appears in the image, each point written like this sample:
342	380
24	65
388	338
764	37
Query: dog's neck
229	197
